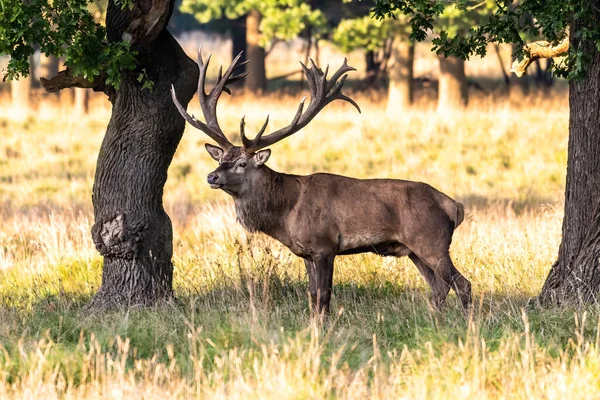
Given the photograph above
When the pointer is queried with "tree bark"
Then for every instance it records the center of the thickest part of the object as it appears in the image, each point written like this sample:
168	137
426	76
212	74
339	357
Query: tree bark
400	90
575	277
131	229
256	81
452	89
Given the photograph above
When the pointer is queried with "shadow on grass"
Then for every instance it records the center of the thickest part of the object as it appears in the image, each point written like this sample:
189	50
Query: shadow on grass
274	313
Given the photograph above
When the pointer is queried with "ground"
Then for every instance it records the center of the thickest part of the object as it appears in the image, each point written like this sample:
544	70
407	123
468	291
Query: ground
241	326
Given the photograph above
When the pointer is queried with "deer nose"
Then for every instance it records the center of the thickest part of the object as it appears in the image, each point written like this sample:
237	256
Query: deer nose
212	178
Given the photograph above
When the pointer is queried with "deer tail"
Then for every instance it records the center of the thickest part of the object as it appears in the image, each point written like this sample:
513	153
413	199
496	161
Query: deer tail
454	209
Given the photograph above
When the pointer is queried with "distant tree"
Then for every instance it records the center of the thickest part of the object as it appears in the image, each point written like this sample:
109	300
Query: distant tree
383	36
572	31
266	22
134	60
453	90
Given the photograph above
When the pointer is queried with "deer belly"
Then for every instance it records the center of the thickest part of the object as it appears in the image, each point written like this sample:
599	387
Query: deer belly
380	247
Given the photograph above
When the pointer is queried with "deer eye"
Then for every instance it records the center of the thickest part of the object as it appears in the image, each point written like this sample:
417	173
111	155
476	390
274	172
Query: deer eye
242	165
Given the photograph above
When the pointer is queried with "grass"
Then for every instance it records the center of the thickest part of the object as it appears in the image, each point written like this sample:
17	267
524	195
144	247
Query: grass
241	326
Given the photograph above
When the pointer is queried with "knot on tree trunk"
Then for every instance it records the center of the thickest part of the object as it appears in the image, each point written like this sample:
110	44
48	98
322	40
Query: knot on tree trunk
118	236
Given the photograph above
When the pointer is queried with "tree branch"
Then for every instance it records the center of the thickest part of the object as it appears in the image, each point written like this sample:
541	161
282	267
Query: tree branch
140	24
539	49
64	79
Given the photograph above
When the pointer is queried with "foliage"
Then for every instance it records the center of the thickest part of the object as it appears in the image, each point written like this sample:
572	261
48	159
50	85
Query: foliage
508	23
63	28
371	33
365	33
281	20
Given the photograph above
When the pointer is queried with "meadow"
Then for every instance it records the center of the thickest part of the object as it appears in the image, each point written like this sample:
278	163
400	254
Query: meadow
241	327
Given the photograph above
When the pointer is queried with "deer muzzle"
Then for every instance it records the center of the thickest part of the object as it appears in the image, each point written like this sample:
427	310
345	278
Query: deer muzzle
213	180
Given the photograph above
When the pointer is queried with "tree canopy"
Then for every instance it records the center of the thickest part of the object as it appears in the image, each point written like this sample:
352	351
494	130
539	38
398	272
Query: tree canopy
64	28
281	20
508	22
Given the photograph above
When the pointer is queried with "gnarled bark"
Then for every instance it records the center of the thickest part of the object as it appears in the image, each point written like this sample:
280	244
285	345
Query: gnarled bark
131	229
576	274
575	277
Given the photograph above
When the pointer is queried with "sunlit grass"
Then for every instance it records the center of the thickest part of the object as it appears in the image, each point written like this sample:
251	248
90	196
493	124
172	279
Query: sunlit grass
241	327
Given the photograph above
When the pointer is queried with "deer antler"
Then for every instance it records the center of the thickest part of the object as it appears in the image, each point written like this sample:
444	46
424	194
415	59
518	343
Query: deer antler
208	103
322	92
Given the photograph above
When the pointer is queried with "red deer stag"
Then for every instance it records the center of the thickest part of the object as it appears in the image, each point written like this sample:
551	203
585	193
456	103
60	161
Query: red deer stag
322	215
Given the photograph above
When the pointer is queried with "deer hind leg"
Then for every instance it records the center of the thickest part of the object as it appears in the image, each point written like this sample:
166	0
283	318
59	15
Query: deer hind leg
439	287
445	276
320	279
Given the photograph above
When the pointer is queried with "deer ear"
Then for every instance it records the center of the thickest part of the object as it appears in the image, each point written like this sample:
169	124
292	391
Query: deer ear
261	157
215	152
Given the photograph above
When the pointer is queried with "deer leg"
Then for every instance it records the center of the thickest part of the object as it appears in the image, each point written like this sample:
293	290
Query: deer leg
320	278
462	287
447	276
429	276
426	272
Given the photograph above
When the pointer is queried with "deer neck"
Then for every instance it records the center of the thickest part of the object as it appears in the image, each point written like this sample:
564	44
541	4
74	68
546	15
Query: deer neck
267	201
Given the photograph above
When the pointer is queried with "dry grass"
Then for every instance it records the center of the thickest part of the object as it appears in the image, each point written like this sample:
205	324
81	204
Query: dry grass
242	327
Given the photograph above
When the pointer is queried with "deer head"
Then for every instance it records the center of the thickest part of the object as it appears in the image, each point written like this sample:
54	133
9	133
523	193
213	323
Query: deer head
240	164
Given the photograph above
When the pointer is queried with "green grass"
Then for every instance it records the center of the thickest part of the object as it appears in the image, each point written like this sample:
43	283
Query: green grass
241	327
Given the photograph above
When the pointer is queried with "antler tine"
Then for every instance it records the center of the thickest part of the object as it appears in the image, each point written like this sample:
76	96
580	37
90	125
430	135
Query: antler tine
341	71
208	102
336	93
247	143
216	136
322	92
203	69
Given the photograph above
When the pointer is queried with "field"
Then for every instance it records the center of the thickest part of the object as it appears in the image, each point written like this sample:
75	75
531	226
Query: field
241	327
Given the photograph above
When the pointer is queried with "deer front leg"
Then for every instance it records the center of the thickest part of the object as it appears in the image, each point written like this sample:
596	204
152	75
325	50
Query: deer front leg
320	279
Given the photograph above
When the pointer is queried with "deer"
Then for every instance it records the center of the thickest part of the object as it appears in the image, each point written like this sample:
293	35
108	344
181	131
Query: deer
321	216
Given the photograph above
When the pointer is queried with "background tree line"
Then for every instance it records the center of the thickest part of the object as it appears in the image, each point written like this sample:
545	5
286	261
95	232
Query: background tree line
256	27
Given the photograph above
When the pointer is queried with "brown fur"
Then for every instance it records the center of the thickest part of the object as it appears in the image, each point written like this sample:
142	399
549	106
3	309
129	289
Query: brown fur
322	215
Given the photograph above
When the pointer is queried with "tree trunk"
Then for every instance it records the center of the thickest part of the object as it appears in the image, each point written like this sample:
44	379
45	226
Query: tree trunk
400	91
81	101
575	277
543	76
238	44
371	67
131	229
452	89
256	81
20	94
48	67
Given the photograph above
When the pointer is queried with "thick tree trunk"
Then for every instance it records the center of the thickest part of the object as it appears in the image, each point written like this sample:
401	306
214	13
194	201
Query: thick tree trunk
81	100
452	89
256	81
575	277
400	90
20	94
131	229
238	44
